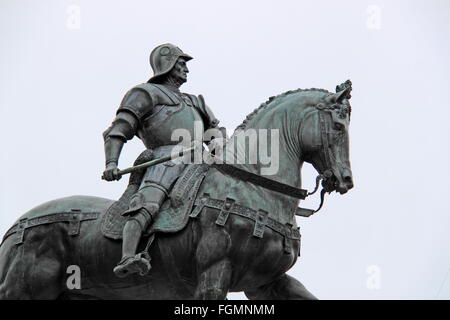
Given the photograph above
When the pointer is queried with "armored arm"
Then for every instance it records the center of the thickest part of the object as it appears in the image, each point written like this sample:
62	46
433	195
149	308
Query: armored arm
210	121
122	129
216	136
135	104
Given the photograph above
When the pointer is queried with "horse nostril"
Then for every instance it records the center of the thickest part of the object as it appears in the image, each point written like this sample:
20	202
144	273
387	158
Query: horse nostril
348	181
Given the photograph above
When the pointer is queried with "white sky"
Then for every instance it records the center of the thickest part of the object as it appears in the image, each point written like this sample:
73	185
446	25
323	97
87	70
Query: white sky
60	87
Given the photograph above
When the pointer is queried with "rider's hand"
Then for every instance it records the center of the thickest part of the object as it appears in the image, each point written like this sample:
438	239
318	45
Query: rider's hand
216	146
111	172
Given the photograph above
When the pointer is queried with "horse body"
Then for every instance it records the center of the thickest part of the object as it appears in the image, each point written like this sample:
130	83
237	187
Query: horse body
205	260
40	267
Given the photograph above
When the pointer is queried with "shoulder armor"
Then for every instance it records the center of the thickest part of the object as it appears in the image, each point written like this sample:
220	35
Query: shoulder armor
194	99
141	99
205	111
137	102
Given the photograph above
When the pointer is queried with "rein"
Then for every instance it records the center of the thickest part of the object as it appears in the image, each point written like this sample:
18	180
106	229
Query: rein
261	181
276	186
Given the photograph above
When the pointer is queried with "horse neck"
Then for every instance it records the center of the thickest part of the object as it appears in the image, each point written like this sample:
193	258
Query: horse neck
274	135
283	149
278	159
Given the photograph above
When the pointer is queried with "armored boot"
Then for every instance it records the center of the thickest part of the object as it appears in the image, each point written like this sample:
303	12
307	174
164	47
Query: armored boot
131	262
141	216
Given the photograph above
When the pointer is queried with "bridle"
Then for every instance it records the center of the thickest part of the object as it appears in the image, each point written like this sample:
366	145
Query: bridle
326	161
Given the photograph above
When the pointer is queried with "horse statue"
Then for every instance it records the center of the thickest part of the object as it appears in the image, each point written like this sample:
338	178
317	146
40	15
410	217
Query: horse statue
238	234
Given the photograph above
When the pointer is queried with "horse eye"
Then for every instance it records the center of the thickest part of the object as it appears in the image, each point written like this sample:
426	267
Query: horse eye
339	126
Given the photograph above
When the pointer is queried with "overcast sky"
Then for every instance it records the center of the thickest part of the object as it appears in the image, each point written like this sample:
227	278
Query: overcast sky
65	66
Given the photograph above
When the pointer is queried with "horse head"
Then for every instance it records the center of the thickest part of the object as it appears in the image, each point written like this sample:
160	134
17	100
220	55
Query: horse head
324	140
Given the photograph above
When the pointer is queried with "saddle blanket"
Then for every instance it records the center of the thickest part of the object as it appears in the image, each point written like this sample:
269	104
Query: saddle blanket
174	212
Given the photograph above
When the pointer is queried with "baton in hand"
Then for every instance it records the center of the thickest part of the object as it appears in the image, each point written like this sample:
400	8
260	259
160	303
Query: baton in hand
155	162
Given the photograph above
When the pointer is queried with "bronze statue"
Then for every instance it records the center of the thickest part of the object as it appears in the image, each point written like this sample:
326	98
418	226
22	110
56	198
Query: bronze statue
212	228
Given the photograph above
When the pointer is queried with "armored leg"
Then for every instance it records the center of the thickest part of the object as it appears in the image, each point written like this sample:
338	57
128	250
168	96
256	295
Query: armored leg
144	208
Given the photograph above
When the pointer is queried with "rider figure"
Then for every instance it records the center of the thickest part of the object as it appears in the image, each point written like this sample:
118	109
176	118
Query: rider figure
151	111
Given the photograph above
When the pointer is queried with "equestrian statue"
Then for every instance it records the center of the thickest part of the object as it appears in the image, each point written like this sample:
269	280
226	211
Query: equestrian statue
203	214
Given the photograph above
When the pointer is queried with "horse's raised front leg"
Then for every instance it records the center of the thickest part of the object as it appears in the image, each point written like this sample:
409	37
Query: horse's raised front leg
284	288
214	268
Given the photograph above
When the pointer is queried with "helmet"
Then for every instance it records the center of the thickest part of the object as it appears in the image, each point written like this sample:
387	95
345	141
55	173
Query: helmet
163	58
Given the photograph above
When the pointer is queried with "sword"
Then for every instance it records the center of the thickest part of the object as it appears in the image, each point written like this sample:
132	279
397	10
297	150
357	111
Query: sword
155	161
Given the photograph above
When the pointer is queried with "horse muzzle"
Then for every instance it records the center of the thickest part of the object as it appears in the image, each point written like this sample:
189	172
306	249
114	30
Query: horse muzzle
340	183
345	182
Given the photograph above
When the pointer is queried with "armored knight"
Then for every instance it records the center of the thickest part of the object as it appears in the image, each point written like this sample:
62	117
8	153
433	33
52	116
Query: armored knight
151	111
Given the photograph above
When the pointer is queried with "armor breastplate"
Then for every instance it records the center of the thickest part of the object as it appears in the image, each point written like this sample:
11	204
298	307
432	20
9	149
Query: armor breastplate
157	129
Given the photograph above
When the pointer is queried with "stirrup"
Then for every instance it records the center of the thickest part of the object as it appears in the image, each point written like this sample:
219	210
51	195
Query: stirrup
138	264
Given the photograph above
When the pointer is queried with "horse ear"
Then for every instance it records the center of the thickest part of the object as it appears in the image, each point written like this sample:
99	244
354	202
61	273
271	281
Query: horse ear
338	97
341	95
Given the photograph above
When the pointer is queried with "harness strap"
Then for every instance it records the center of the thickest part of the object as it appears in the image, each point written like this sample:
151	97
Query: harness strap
73	217
260	217
261	181
260	223
325	143
224	212
271	185
303	212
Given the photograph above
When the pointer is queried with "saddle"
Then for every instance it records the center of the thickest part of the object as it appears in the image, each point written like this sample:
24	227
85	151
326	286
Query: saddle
174	212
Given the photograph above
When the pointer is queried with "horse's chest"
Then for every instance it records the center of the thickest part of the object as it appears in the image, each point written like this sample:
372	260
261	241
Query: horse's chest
257	259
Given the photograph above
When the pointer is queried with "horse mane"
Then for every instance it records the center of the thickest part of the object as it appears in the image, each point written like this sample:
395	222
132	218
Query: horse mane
272	99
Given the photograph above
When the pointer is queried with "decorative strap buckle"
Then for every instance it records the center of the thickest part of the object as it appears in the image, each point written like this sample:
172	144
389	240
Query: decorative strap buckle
21	225
199	207
225	212
260	223
287	238
74	223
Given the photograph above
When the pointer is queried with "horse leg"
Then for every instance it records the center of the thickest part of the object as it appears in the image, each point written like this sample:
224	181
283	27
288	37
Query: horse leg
29	271
214	282
11	285
214	268
284	288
